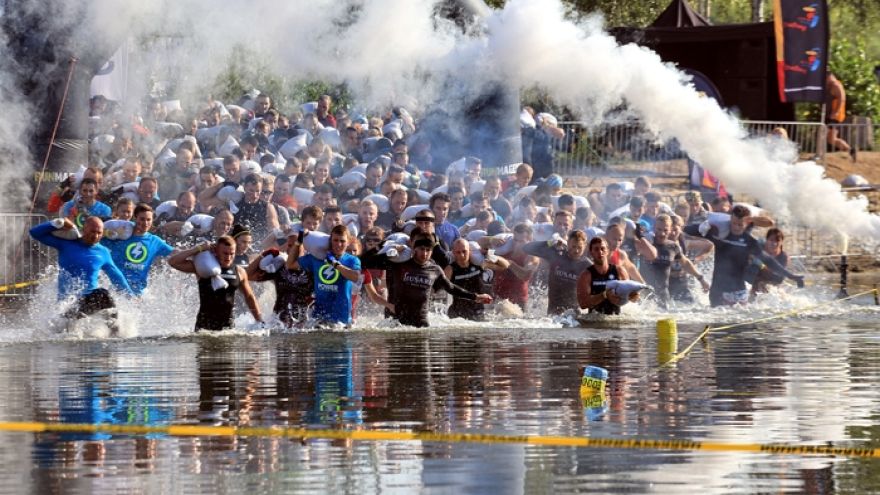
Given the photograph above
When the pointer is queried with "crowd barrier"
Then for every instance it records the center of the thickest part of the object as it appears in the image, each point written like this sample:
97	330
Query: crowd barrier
584	149
23	259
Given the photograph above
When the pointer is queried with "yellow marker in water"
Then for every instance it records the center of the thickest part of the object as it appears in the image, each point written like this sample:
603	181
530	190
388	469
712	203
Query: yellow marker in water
667	340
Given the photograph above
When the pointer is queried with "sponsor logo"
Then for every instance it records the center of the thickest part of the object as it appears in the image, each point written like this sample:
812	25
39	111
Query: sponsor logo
808	19
327	274
136	252
419	280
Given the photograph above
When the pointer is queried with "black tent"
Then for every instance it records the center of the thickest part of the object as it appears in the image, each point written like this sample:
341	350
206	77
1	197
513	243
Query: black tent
740	59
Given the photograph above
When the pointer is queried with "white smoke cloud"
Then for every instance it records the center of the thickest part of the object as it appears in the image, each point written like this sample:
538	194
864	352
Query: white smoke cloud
393	51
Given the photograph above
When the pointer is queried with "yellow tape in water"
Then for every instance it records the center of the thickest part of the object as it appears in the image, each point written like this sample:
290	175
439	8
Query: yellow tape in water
20	285
683	353
409	436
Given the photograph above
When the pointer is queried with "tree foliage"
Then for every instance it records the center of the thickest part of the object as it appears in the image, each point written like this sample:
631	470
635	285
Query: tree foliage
246	70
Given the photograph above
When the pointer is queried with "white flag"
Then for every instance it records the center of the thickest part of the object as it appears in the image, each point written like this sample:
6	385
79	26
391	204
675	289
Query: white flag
111	80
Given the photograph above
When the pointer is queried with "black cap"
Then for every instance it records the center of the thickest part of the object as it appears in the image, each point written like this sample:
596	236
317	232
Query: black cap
239	230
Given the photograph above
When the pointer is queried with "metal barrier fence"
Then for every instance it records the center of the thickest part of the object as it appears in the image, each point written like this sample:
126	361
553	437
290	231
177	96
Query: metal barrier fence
588	150
23	259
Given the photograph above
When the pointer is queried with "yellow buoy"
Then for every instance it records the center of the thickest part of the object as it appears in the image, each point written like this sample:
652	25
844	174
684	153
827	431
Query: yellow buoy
667	340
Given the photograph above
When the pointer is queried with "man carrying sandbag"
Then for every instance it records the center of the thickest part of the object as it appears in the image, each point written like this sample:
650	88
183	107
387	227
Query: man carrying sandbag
219	279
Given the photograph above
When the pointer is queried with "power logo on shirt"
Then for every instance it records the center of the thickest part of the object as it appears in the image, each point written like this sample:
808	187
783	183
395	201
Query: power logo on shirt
136	252
327	274
80	219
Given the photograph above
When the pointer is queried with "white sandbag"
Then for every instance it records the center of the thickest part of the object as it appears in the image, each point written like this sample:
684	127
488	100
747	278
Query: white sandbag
475	235
350	220
132	195
527	191
331	137
424	196
623	288
458	166
309	107
242	111
166	209
627	186
581	202
351	180
396	247
477	257
467	211
381	201
250	167
171	105
476	186
547	119
198	223
215	163
293	145
411	211
130	187
70	234
440	189
228	146
719	220
395	128
102	144
168	128
526	119
317	244
506	247
623	210
397	238
542	231
207	266
207	134
118	230
272	263
303	196
593	232
232	195
360	167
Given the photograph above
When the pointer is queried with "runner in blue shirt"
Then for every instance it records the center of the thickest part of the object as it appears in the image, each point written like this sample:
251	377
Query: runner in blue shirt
80	262
86	204
135	255
333	277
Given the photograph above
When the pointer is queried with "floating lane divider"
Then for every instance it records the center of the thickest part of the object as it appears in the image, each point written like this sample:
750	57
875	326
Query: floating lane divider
681	355
411	436
20	285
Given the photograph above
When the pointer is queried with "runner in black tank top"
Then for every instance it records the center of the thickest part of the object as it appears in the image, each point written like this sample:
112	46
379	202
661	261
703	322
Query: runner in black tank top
215	306
598	282
592	291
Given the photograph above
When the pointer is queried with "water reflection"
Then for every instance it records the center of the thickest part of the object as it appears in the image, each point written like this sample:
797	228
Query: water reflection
783	383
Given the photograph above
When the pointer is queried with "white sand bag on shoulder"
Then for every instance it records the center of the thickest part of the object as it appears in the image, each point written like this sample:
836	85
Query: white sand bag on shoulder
70	234
207	266
118	230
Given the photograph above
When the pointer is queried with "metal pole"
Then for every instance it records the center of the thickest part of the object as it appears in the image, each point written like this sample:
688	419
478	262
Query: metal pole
843	269
822	142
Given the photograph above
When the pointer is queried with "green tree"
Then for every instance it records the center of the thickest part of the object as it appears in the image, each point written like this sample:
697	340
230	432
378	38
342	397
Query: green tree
247	69
851	64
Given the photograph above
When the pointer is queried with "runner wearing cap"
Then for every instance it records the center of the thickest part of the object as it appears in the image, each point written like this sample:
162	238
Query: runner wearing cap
416	278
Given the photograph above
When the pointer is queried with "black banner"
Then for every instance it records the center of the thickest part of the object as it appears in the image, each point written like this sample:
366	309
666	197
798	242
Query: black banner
801	49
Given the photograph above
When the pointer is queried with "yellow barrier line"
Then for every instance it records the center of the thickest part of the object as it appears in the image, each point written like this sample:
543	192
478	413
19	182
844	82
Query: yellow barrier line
681	355
409	436
20	285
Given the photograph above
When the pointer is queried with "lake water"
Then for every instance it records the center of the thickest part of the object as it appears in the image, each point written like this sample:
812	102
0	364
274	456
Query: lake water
808	379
